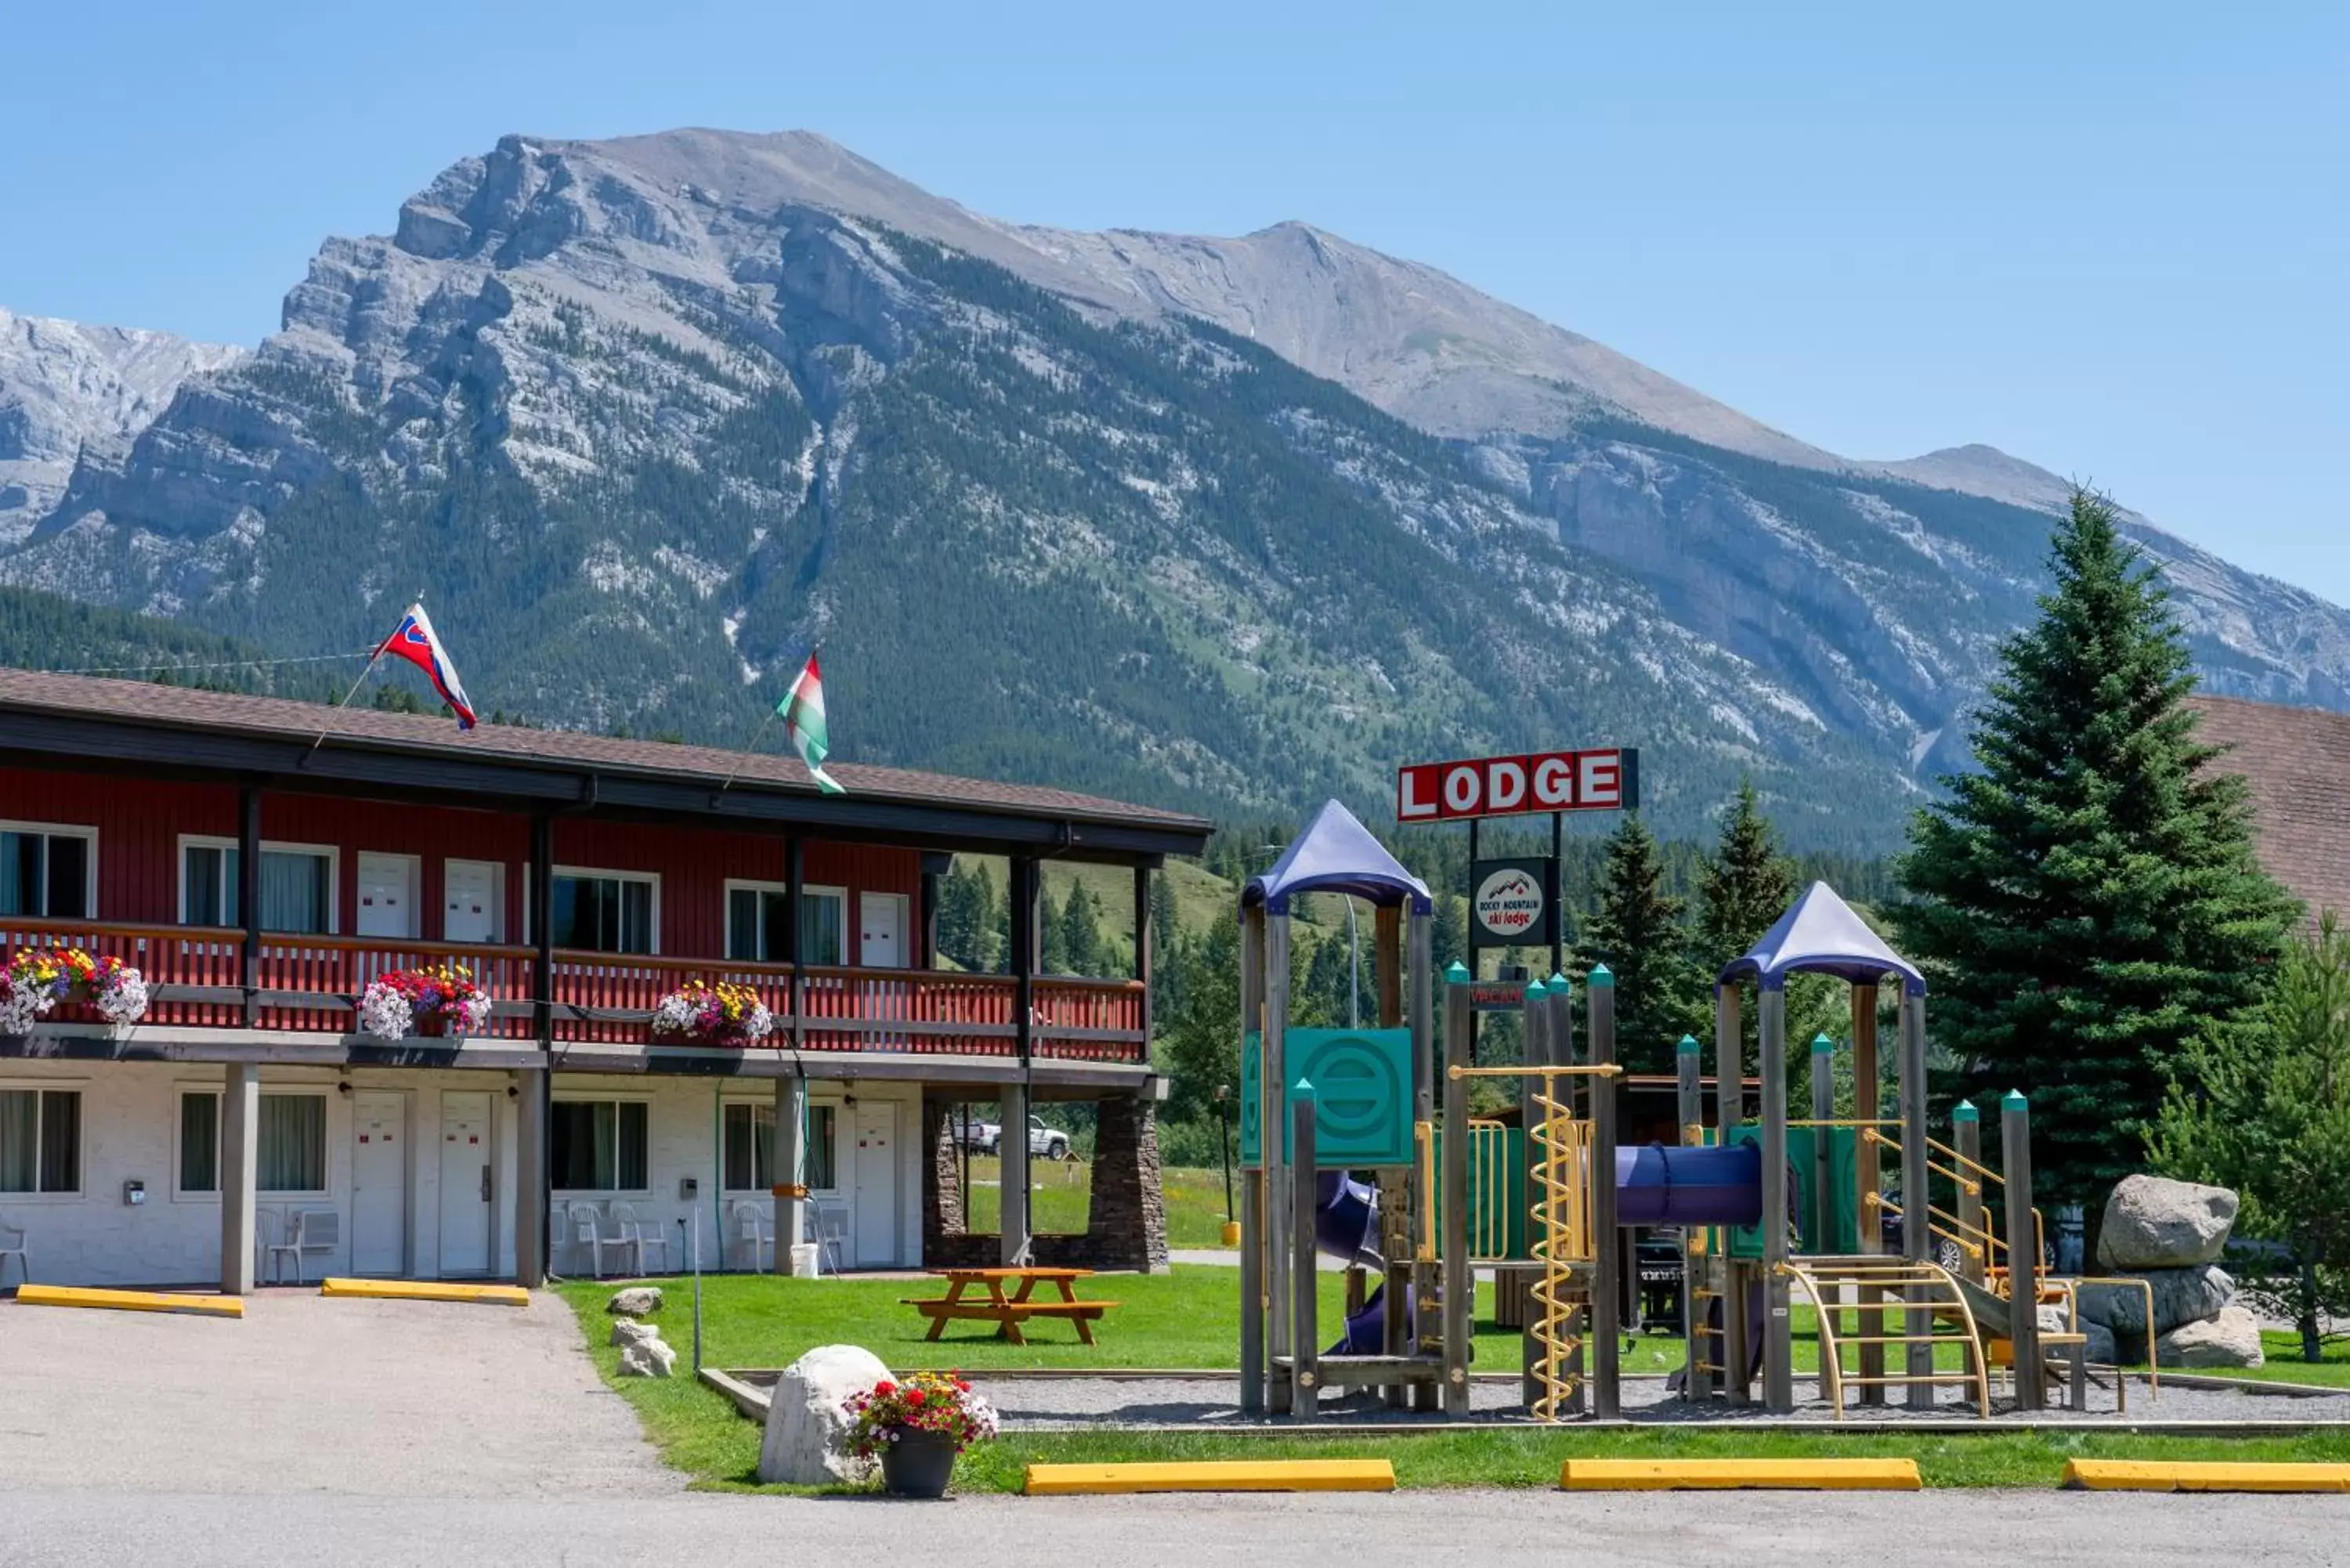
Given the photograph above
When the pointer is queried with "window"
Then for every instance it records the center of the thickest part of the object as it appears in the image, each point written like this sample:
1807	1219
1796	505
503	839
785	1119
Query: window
48	872
749	1148
821	1121
297	887
40	1140
602	912
293	1140
755	929
599	1146
200	1141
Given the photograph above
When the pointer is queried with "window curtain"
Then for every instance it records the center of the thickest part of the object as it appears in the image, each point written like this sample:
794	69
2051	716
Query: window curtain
820	925
293	892
61	1141
607	1144
20	1139
628	1175
293	1143
21	878
749	1148
200	1142
820	1174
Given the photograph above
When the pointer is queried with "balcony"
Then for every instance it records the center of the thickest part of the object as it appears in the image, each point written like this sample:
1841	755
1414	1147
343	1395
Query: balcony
312	984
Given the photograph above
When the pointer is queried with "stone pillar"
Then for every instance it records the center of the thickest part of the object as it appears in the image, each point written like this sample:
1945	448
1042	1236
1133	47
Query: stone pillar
945	1221
1126	1226
530	1179
240	1173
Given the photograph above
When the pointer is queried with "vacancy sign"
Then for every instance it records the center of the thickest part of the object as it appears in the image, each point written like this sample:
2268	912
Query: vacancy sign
1603	780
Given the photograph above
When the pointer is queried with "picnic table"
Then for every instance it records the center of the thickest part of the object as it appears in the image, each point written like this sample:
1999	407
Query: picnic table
1009	1312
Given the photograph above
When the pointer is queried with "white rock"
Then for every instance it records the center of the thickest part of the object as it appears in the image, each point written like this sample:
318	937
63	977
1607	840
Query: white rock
648	1358
2232	1338
628	1331
806	1443
637	1301
2154	1223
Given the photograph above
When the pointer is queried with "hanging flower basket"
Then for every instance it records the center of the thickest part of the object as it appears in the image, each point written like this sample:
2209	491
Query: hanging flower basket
916	1428
437	1001
38	979
700	1013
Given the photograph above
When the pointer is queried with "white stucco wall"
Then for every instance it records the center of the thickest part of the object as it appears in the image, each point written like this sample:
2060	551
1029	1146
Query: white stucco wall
131	1118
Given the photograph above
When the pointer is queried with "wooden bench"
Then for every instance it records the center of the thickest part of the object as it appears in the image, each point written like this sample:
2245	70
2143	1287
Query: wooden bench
1009	1312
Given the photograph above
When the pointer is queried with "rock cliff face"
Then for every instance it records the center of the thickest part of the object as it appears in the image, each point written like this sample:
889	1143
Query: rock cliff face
1220	522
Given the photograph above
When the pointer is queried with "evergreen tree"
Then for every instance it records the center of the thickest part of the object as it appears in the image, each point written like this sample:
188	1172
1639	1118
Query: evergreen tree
1637	932
1053	955
1746	885
2088	902
1081	943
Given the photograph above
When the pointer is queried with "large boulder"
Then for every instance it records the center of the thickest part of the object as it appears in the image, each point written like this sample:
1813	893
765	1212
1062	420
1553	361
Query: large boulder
637	1301
2231	1338
807	1440
2180	1296
2154	1223
648	1358
627	1331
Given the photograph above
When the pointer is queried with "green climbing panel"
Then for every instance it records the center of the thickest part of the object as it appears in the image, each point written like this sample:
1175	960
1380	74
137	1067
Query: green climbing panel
1362	1094
1841	1233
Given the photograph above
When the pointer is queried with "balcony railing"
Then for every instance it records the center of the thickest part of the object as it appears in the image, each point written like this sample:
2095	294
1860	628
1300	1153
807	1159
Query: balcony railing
312	984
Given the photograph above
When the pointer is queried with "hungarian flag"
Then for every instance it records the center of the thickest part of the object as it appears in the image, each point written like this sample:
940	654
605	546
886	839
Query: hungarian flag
416	642
803	712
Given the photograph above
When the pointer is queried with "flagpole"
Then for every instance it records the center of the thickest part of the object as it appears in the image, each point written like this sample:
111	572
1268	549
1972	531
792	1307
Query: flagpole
354	692
768	718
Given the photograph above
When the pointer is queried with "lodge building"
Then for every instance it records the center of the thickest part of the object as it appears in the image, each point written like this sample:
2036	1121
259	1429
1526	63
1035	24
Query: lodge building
260	862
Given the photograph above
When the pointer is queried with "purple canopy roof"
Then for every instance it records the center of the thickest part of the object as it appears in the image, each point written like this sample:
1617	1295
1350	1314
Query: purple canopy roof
1821	935
1337	854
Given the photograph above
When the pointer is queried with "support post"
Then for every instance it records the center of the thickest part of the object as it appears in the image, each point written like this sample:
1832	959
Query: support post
240	1172
1453	1182
1012	1157
1869	1177
535	1214
1305	1375
1917	1196
1142	945
1606	1245
1966	1135
2023	1252
790	1166
795	899
1281	1176
1561	1002
1730	1110
1689	1107
531	1236
1823	1238
1778	1376
1252	1216
1395	1187
248	900
1419	1278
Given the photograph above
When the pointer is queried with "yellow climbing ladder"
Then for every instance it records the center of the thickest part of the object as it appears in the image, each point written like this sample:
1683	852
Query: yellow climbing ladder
1928	1303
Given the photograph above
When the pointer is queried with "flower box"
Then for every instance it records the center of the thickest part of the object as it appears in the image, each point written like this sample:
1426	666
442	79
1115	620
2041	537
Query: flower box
437	1001
37	980
700	1013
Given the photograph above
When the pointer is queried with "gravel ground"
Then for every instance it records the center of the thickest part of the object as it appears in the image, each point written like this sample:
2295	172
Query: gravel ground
1207	1403
305	1395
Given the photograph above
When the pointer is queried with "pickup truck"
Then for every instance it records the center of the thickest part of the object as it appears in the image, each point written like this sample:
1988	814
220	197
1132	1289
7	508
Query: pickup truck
987	1138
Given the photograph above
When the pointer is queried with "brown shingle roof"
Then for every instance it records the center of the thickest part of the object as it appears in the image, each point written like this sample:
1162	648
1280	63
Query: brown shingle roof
2297	761
275	718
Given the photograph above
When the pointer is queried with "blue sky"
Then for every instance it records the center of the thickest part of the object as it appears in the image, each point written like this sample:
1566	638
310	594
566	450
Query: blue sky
2111	239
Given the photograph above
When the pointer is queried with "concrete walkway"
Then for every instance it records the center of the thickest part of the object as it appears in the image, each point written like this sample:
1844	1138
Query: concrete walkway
414	1400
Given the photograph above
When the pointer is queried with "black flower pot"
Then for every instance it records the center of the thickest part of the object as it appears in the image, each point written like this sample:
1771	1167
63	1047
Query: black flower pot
917	1463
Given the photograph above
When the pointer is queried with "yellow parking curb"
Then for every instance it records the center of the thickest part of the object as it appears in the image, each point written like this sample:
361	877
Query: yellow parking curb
131	1300
426	1291
1222	1475
2157	1475
1730	1475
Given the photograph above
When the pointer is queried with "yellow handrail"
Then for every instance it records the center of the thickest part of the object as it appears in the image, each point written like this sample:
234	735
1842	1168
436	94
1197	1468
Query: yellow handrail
1562	1214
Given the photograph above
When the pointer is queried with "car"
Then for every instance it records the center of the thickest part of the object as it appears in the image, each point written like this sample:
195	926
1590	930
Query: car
1050	1142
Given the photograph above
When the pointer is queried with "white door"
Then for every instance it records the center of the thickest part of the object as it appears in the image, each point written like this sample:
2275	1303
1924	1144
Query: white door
465	1182
386	896
875	1173
380	1184
881	931
469	901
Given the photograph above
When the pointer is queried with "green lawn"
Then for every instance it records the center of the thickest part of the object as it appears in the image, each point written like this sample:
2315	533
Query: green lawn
1058	1194
2285	1366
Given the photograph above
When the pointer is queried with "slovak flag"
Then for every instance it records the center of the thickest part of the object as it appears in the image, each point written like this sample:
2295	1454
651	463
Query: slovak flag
416	642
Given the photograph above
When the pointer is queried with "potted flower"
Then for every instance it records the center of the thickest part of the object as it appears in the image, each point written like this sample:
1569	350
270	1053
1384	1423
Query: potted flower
726	1013
38	979
916	1428
437	1000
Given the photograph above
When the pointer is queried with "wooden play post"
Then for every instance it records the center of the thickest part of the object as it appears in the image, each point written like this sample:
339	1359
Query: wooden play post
1273	1123
1778	1337
1402	1280
1560	999
1689	1106
1453	1184
1606	1286
1253	1303
1305	1375
1867	1173
1966	1133
1917	1196
1730	1112
2023	1252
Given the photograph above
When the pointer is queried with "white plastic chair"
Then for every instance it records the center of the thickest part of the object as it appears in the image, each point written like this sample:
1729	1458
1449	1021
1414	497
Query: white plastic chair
587	1234
316	1230
644	1235
280	1240
12	1245
832	1235
754	1229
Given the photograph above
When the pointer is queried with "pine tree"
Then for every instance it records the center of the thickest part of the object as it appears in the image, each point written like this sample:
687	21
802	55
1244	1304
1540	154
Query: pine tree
1638	933
1052	953
1746	886
1081	943
2087	903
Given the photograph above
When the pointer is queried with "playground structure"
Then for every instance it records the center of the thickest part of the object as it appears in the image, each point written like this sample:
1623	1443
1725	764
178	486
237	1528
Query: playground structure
1347	1152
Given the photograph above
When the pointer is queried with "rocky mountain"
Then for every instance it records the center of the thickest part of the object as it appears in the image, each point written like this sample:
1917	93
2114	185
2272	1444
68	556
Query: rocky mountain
71	394
1223	523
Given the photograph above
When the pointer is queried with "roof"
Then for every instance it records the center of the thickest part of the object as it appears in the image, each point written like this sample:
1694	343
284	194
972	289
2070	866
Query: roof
2297	761
214	714
1820	934
1337	854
